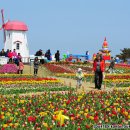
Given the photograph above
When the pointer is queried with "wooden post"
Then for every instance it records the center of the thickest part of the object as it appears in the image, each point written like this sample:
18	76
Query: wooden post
104	85
70	84
85	80
83	88
64	83
91	80
76	88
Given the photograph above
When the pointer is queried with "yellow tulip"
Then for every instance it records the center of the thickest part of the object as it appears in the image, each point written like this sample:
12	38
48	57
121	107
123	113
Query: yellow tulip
30	101
51	106
78	115
92	110
118	99
81	112
64	105
45	125
91	117
108	109
108	104
83	105
16	113
11	118
126	113
72	118
85	114
116	104
5	125
7	114
16	124
42	113
2	117
56	112
10	124
2	113
118	109
86	110
78	99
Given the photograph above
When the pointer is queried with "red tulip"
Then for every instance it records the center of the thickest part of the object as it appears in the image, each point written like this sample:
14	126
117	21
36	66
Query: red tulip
96	118
122	110
87	127
68	102
65	111
88	116
14	105
114	112
22	111
4	109
31	119
38	128
72	115
103	106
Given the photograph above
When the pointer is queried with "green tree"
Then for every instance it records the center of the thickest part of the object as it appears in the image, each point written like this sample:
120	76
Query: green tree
125	54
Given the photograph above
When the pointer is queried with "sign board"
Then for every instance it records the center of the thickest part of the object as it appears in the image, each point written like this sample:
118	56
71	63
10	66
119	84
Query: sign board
3	60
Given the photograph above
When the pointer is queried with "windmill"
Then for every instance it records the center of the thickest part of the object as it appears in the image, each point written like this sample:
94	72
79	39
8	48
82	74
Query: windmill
3	23
14	33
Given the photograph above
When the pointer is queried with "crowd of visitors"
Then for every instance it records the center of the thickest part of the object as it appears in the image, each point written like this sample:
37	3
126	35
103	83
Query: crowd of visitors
48	55
13	57
98	64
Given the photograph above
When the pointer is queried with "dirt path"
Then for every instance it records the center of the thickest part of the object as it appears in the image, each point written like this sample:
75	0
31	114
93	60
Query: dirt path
43	72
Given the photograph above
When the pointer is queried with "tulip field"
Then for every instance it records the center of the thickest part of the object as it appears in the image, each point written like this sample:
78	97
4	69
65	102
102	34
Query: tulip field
121	77
46	103
66	111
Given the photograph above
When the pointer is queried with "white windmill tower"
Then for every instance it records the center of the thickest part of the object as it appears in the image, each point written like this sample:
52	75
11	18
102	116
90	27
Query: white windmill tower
15	37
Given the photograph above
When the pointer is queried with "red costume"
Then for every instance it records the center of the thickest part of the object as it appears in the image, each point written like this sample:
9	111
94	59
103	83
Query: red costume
102	65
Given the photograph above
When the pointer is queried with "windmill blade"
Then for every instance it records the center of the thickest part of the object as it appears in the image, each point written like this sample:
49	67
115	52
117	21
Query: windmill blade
2	13
1	27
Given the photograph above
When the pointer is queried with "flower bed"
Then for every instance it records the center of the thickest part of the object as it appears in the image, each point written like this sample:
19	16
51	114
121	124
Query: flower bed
58	68
76	111
107	76
116	80
64	67
19	89
9	68
8	81
16	76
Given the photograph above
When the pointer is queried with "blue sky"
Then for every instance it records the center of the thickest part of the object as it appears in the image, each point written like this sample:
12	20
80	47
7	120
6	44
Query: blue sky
74	25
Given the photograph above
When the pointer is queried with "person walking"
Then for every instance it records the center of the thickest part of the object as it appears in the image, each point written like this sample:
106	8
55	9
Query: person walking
79	77
20	67
99	68
36	66
57	56
111	66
